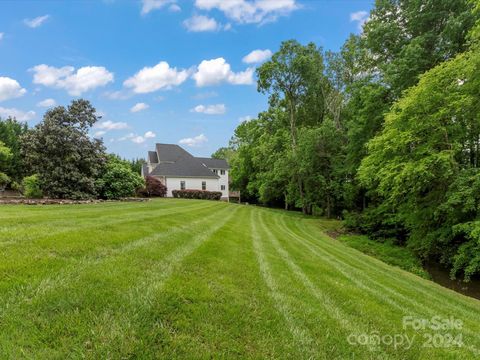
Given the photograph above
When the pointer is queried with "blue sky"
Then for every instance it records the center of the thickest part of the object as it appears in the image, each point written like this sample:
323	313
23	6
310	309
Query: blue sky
156	70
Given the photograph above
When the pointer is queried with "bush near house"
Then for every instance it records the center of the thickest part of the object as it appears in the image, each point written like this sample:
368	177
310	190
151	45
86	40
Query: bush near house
118	180
197	194
153	188
31	187
4	180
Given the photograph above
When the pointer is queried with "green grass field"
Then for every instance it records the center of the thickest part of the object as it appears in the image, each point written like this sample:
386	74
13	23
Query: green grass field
196	279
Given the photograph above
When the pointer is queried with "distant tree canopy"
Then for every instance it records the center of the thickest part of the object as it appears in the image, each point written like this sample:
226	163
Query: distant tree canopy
136	165
10	133
60	151
5	155
384	132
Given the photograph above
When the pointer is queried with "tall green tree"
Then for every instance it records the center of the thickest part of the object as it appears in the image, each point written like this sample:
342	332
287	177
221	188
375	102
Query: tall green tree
424	165
287	77
5	155
60	151
407	38
321	163
11	131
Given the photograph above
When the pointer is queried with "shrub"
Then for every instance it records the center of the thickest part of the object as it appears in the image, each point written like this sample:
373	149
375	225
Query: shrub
197	194
118	180
31	187
153	188
4	180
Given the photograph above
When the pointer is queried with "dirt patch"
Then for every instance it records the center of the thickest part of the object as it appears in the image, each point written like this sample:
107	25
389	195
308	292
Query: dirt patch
335	233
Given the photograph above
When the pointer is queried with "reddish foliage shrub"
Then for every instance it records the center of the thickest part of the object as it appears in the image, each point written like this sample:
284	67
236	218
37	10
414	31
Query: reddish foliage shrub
153	188
197	194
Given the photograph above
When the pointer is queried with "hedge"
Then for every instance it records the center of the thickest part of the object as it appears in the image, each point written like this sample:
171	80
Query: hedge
197	194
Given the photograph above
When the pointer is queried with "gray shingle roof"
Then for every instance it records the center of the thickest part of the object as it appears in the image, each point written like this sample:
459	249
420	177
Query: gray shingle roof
152	157
214	163
175	161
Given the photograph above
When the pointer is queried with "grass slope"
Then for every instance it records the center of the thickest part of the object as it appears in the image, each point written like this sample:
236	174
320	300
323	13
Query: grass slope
198	279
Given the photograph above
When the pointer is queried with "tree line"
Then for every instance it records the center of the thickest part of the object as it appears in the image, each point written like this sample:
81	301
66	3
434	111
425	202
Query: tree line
57	158
384	133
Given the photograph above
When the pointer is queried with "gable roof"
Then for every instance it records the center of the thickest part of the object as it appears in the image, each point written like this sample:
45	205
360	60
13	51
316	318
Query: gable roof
170	152
152	157
175	161
214	163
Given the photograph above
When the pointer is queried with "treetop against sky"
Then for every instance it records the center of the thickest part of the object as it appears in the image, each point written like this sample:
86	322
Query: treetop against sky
156	70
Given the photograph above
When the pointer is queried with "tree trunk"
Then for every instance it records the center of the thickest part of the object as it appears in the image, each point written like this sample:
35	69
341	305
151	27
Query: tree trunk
328	207
293	133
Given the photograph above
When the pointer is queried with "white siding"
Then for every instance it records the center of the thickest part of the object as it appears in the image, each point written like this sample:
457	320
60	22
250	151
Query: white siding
173	183
223	181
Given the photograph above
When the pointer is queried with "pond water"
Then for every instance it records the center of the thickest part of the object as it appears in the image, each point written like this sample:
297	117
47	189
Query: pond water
441	276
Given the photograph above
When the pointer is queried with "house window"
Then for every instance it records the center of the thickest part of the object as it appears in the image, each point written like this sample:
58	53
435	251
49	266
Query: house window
222	187
222	172
182	185
204	185
215	171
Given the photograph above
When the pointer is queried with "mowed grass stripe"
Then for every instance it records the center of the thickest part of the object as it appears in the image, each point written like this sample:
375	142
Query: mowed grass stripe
69	273
406	278
215	303
378	290
300	333
335	312
20	231
217	281
26	264
373	313
401	286
39	212
131	291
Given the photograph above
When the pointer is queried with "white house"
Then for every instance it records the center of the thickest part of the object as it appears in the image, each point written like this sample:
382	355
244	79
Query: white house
177	169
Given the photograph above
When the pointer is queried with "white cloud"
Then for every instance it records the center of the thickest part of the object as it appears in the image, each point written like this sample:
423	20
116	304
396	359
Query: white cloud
10	89
139	107
36	22
149	5
199	23
257	56
84	79
245	11
195	141
2	35
174	8
217	109
244	118
216	71
47	103
99	133
111	125
18	114
126	137
118	95
360	17
138	139
161	76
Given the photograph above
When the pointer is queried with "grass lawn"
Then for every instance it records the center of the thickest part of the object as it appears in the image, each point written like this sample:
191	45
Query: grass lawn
197	279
